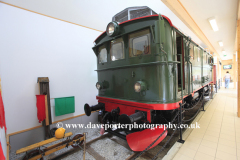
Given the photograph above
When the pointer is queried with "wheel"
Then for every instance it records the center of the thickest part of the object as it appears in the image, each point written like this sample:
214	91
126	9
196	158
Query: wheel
52	132
76	136
33	154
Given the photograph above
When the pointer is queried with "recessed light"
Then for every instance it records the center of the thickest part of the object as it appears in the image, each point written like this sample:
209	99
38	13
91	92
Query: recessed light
213	23
224	53
220	43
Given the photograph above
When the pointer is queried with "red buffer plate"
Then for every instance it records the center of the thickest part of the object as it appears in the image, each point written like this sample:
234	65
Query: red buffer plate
139	141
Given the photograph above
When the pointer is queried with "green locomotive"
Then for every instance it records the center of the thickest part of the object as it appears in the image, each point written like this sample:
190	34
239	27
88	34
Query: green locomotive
146	67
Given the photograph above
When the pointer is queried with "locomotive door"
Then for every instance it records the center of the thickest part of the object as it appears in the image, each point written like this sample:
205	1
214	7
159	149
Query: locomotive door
180	53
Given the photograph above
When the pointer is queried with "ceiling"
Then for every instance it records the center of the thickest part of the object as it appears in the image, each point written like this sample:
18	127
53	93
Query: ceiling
97	14
225	13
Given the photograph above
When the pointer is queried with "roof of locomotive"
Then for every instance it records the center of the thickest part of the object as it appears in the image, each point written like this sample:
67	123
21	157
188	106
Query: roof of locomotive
155	15
148	16
133	12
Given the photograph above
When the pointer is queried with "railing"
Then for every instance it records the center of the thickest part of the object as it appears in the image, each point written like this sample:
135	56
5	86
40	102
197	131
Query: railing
180	121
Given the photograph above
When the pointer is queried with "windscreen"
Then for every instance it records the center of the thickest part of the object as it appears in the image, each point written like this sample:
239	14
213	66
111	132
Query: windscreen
117	49
102	54
139	43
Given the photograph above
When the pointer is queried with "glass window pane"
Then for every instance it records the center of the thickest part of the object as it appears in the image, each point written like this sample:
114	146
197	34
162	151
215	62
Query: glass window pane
117	49
139	43
191	52
199	55
102	54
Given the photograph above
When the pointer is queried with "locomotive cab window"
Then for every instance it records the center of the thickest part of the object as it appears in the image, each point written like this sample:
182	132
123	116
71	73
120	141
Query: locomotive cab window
139	43
102	54
117	49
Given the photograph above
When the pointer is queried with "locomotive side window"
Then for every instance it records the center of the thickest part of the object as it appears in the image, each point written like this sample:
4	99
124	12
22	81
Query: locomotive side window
198	55
102	54
139	43
209	60
203	57
117	49
191	52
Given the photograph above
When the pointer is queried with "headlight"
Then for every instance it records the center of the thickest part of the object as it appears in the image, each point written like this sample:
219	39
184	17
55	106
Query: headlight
98	85
139	86
102	85
112	29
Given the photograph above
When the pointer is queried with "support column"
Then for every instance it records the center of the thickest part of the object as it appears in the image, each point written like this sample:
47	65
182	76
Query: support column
234	71
238	62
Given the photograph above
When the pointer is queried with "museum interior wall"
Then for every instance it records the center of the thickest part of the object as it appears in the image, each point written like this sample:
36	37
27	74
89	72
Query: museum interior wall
43	47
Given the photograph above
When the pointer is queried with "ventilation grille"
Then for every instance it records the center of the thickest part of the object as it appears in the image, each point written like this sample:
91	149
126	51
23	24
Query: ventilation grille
133	12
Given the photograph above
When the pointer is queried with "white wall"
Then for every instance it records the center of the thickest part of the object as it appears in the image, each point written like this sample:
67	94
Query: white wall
98	13
3	139
37	46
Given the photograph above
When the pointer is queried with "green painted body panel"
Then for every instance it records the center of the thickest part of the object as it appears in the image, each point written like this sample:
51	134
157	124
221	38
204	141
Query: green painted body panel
158	69
159	88
197	68
207	69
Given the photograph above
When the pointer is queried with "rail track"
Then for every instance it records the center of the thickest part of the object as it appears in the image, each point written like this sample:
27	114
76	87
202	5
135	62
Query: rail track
147	155
96	155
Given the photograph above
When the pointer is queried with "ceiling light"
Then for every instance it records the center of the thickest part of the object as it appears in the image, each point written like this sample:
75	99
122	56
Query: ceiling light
224	53
213	23
220	43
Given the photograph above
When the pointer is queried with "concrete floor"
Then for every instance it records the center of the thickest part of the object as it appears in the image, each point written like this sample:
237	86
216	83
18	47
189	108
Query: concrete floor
219	135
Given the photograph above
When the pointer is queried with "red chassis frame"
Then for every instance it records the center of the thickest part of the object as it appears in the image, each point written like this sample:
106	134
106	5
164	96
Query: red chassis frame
129	107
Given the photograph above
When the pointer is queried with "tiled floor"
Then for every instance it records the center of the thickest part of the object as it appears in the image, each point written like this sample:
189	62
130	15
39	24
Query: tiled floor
219	135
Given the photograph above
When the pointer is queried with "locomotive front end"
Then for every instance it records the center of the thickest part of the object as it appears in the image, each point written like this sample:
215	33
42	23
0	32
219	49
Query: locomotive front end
136	83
